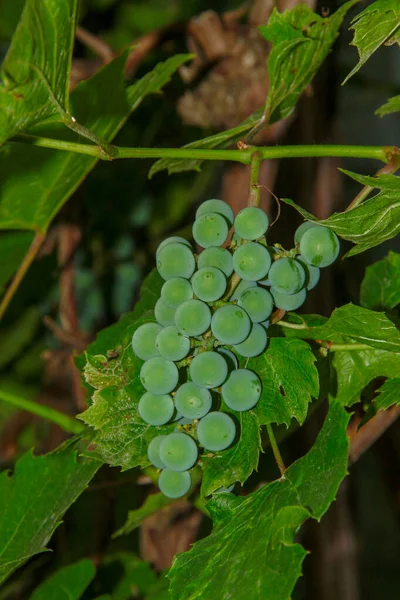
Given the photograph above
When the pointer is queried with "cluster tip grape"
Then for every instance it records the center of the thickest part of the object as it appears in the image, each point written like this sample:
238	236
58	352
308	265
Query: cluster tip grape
212	316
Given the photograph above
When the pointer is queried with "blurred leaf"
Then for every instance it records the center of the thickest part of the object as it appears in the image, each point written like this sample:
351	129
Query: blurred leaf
251	552
13	247
10	15
391	106
389	394
377	24
152	504
68	583
18	335
138	577
34	499
380	289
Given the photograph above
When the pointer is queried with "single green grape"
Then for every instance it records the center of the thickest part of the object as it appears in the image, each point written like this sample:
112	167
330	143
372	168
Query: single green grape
288	301
230	324
153	451
242	390
192	401
192	318
242	287
209	284
176	260
230	358
257	302
217	257
171	240
174	484
144	340
159	376
266	323
164	314
287	276
254	344
312	273
300	231
216	206
319	246
251	261
178	451
216	431
156	409
210	230
208	369
251	223
171	344
175	291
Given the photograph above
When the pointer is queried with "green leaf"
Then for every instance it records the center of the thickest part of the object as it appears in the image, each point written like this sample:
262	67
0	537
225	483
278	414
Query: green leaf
152	504
34	499
36	70
50	178
301	40
389	394
68	583
251	552
17	336
13	247
138	577
378	24
391	106
380	289
289	378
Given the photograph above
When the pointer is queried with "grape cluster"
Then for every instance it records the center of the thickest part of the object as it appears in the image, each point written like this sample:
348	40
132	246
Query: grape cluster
213	310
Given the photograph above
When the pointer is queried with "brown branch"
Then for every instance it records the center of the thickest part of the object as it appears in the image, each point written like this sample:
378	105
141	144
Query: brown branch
362	439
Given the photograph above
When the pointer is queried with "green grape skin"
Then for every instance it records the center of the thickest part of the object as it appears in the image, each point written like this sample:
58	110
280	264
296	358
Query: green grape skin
242	287
257	302
174	484
251	261
176	260
175	291
165	315
156	410
210	230
192	401
178	451
300	231
192	318
171	344
288	301
319	246
208	369
230	324
217	257
209	284
153	451
159	376
312	274
144	340
251	223
216	206
171	240
216	431
266	323
254	344
242	390
230	358
287	276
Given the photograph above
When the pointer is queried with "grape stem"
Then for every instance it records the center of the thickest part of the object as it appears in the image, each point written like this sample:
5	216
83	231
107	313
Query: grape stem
275	450
254	194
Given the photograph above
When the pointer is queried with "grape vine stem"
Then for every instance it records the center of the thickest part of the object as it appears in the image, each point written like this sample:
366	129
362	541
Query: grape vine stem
275	450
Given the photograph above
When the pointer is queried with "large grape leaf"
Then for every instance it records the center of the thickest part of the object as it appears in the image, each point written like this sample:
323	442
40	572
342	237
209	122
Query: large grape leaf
378	24
388	394
68	583
33	500
390	107
380	289
251	552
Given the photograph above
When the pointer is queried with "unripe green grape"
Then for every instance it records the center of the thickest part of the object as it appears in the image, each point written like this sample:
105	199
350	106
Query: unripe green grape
175	291
217	257
288	301
242	390
216	431
251	223
181	420
171	240
266	323
216	206
209	284
156	409
300	231
174	484
242	287
251	261
230	324
192	318
159	376
193	401
210	230
178	451
164	314
257	302
319	246
287	276
144	340
312	274
230	358
176	260
153	451
171	344
208	369
254	344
